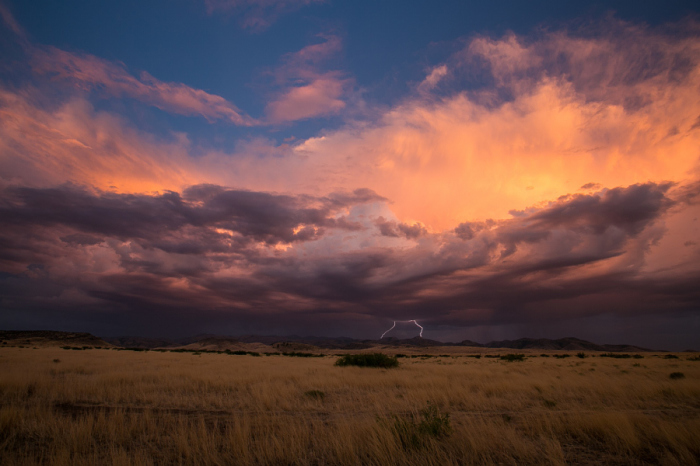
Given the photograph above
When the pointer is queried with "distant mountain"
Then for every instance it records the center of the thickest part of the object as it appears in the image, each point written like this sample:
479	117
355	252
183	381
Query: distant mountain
415	341
49	338
140	342
568	344
295	342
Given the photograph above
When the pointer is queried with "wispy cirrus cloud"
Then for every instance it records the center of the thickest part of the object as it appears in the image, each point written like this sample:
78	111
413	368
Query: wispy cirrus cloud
257	15
113	79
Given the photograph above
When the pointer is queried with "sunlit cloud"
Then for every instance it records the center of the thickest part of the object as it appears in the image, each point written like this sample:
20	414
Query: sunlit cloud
306	90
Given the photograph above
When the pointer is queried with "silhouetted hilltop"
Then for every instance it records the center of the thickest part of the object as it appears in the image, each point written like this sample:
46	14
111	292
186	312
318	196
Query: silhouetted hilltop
294	342
49	338
569	344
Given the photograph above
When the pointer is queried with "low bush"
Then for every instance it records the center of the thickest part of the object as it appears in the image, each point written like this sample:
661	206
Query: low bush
368	360
513	357
670	356
616	355
295	354
581	355
676	375
561	356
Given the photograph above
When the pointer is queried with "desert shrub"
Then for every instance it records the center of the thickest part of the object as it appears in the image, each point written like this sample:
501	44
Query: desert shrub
616	355
242	353
492	355
543	355
315	394
670	356
400	355
696	358
368	360
295	354
56	360
549	403
415	433
513	357
561	356
638	356
581	355
677	375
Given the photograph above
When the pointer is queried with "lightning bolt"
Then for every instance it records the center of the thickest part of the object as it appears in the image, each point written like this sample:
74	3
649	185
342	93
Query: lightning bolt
392	327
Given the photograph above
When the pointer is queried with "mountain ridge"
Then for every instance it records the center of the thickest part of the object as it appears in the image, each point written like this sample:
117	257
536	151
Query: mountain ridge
289	341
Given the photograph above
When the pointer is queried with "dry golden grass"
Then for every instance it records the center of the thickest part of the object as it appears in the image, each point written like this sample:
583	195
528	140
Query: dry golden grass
133	408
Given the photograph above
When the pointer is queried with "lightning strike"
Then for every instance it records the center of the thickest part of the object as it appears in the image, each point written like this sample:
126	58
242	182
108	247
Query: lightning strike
392	327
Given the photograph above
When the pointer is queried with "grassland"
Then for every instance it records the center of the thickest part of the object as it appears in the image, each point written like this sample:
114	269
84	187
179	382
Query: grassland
132	408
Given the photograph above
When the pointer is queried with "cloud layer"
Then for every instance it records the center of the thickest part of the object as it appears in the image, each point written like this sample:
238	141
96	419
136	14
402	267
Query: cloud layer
524	181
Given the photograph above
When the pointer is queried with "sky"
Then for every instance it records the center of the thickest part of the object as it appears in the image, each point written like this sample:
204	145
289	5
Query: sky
491	170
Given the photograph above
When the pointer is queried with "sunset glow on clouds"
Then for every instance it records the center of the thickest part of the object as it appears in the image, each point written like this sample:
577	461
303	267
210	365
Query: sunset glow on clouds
529	184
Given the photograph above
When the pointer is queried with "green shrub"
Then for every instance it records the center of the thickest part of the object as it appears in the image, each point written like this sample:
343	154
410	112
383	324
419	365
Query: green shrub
513	357
677	375
368	360
670	356
414	433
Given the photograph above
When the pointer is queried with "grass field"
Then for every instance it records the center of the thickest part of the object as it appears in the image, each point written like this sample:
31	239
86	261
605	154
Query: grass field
131	408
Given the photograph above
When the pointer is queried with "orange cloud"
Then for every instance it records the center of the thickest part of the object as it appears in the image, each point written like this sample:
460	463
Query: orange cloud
308	92
73	143
90	72
473	155
319	98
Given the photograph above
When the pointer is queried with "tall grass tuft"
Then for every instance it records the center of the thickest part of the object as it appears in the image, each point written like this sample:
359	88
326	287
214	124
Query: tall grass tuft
414	433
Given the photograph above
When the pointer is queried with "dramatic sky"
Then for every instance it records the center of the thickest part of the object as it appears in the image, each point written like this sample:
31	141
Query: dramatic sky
324	167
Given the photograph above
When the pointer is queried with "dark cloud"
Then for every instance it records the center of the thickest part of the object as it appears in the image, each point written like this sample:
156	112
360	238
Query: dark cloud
400	229
259	257
256	216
